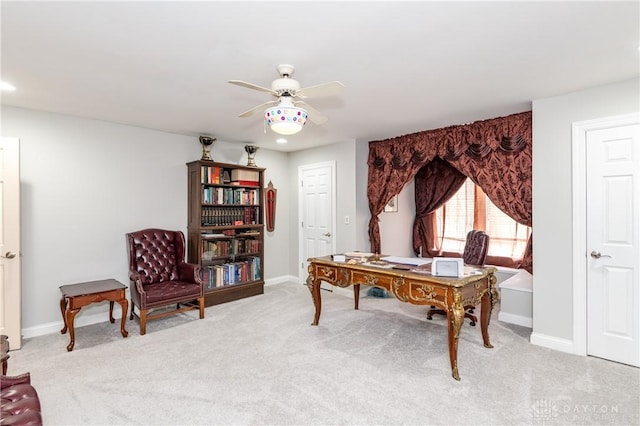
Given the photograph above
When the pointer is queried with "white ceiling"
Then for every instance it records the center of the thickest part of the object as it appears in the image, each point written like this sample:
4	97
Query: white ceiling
407	66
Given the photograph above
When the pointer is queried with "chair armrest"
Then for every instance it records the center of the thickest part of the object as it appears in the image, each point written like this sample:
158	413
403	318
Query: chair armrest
8	381
190	272
134	277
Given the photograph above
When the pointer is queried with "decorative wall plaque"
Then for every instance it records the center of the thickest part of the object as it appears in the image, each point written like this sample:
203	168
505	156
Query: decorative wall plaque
270	205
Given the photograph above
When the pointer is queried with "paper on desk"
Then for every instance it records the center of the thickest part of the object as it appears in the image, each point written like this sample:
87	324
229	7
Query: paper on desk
416	261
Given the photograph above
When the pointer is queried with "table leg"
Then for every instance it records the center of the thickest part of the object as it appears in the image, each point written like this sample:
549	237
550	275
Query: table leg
70	314
455	318
489	298
63	308
111	319
356	295
125	306
314	287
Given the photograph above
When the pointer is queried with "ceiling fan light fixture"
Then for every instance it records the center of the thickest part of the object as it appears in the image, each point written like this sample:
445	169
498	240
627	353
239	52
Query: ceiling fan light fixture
285	120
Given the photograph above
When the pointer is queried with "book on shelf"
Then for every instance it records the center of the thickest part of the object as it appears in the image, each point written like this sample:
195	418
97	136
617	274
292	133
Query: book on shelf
212	235
245	183
231	273
210	174
245	175
229	196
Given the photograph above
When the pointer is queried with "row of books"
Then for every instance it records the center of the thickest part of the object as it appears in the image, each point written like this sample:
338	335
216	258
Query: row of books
219	175
231	273
229	216
211	174
216	248
236	196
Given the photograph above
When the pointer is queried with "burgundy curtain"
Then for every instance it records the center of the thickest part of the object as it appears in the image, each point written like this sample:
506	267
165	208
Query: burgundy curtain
435	184
495	154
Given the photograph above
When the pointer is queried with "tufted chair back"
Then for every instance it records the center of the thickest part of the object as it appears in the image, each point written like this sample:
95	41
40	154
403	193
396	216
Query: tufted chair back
475	248
155	254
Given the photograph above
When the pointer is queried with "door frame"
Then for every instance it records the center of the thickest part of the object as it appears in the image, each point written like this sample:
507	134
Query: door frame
301	169
11	290
579	131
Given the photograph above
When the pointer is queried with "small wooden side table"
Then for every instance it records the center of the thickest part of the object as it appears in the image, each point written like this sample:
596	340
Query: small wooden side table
75	296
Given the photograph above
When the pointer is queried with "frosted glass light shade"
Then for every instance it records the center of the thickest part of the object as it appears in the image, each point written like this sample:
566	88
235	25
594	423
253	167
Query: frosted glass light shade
285	120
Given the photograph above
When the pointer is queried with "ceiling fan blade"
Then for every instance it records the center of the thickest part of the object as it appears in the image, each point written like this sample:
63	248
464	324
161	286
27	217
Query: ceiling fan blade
314	114
252	86
256	108
324	89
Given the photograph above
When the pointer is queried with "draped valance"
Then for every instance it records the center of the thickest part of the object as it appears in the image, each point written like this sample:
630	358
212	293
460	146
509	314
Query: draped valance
495	154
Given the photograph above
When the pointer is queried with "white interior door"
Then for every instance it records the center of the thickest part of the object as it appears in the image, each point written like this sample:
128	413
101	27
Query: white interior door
613	243
10	322
316	212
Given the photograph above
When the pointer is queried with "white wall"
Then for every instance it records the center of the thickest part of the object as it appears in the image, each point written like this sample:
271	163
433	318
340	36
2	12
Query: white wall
361	224
277	249
85	183
552	214
396	228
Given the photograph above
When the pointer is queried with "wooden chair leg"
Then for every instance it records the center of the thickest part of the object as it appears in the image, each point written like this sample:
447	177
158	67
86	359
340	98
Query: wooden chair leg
132	306
143	322
473	319
434	311
201	305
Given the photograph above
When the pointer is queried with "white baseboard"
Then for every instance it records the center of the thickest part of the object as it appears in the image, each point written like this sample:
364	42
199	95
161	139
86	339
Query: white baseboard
515	319
551	342
80	321
281	279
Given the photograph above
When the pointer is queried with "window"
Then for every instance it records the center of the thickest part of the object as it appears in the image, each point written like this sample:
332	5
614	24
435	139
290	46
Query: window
469	209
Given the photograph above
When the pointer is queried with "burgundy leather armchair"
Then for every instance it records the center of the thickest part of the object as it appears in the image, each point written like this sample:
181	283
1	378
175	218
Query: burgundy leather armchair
19	401
160	277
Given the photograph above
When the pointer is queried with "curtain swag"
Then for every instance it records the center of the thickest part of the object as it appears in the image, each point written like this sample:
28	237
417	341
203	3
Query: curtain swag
495	154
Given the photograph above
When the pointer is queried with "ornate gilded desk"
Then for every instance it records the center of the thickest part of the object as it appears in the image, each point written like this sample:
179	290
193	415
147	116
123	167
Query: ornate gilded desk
453	295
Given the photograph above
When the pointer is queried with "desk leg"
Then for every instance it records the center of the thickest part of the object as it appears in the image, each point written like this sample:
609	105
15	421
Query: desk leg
455	318
125	307
356	295
70	314
489	298
111	318
63	308
314	287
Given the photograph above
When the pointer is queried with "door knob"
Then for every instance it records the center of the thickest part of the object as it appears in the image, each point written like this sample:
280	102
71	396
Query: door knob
9	255
597	255
328	234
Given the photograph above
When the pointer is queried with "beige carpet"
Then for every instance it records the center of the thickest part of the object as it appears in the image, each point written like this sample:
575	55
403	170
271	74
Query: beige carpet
258	361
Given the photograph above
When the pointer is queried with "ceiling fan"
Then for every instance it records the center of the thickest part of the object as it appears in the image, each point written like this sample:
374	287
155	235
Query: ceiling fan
288	113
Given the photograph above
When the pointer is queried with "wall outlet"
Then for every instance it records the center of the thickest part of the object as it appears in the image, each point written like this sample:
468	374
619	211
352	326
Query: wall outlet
347	220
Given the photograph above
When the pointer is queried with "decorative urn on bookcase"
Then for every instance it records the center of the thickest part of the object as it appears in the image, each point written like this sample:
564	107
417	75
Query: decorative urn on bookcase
251	155
207	143
226	228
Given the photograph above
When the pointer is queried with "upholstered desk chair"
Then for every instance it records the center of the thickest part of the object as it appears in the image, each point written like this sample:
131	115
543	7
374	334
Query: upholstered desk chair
475	253
160	277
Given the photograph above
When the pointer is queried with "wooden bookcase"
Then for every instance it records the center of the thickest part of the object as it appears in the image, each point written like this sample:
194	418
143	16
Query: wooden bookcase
226	229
